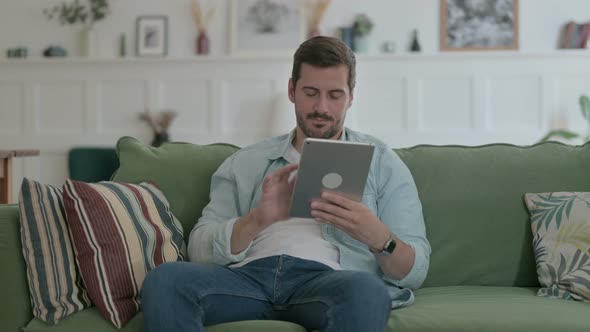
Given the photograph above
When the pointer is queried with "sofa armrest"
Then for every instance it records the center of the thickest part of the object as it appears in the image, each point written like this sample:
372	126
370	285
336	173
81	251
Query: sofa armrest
15	305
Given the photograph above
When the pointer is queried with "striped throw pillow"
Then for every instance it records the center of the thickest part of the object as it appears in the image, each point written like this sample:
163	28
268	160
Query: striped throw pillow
55	285
120	232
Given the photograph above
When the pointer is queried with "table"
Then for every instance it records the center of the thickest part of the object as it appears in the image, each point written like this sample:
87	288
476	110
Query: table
6	157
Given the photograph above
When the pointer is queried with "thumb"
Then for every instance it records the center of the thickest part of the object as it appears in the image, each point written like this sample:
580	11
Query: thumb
266	184
292	181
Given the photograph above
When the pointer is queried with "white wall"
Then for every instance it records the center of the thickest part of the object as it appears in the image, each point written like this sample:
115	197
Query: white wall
404	100
22	23
463	98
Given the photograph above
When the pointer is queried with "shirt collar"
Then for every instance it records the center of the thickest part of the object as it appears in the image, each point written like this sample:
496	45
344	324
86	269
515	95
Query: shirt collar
285	144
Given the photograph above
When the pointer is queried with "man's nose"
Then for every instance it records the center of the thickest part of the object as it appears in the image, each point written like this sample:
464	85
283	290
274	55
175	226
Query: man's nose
321	104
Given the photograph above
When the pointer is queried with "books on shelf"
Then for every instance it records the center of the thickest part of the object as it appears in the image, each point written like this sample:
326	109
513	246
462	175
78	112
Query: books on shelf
575	35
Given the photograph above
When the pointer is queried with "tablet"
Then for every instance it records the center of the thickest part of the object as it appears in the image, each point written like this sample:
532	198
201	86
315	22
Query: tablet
330	165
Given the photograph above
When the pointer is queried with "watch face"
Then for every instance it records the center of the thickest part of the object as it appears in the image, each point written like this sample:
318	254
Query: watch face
390	246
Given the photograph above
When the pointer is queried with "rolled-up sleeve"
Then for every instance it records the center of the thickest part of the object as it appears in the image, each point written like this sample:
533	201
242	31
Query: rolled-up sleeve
210	239
400	209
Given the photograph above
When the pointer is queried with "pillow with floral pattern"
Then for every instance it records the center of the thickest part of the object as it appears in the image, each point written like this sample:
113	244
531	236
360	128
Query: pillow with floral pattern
560	223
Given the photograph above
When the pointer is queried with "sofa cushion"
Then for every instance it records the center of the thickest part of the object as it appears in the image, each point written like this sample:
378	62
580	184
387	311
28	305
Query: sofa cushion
120	232
476	220
561	227
480	308
182	170
15	306
460	308
55	285
90	320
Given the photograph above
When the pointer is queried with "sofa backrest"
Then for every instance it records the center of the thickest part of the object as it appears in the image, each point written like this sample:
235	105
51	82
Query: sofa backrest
472	198
181	170
476	218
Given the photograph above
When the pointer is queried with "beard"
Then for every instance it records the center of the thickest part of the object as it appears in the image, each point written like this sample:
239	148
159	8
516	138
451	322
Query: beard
325	131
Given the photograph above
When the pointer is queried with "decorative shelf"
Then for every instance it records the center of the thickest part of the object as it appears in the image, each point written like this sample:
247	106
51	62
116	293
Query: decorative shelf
574	53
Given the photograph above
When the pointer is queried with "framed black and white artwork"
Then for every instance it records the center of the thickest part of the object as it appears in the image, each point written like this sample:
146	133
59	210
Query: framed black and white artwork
479	25
152	36
260	27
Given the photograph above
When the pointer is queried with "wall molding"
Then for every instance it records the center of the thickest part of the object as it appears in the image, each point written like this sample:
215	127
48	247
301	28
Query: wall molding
460	98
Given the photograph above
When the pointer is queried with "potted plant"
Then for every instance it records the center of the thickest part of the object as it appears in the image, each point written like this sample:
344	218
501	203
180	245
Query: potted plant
85	13
160	123
567	135
361	28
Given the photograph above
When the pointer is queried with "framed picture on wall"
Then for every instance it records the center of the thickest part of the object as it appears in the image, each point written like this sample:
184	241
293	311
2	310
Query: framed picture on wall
476	25
265	26
152	36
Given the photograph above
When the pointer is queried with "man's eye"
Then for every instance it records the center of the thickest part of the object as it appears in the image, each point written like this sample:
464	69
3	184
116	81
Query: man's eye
336	95
311	93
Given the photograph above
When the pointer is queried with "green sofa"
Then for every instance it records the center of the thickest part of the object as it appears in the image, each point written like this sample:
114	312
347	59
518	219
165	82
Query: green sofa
482	274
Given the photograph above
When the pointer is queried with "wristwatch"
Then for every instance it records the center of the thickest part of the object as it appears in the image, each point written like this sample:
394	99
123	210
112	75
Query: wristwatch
388	248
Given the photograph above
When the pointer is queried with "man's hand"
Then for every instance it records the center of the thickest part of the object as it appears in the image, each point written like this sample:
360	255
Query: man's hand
277	189
359	222
354	218
273	206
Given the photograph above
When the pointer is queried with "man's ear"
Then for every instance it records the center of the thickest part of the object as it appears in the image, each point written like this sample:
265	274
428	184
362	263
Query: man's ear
291	91
351	98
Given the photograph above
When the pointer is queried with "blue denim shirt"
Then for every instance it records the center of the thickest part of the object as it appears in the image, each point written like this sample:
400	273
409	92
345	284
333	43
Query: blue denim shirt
390	192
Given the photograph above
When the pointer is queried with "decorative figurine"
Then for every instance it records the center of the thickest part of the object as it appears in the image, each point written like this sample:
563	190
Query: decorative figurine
415	46
17	52
55	51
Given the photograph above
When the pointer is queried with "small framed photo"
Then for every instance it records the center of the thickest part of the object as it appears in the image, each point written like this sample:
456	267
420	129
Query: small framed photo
262	27
152	36
473	25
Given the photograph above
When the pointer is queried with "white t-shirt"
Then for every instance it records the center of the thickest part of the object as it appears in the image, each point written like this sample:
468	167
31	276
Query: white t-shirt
297	237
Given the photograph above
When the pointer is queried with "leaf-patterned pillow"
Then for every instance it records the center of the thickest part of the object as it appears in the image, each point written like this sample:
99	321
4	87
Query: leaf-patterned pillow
561	228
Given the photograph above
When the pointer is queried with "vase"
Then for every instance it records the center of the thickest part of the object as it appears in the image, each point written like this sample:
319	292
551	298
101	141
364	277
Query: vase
88	42
346	36
160	138
122	45
360	44
202	43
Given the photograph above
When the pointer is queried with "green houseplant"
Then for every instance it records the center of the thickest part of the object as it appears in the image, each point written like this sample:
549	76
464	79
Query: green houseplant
86	13
76	12
584	102
362	25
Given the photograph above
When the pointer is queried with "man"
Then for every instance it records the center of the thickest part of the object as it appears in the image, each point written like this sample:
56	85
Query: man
343	270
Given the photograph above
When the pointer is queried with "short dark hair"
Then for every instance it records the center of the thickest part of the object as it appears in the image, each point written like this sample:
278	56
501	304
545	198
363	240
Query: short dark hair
322	51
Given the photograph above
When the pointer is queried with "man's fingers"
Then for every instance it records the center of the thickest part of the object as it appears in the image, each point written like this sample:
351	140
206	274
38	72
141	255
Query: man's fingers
293	177
279	175
339	200
266	182
284	172
292	182
328	218
333	209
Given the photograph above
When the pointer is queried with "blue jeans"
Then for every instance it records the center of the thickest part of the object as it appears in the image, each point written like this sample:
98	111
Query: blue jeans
183	296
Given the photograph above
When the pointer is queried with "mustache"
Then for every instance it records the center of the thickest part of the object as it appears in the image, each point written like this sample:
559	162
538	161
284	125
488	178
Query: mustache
318	115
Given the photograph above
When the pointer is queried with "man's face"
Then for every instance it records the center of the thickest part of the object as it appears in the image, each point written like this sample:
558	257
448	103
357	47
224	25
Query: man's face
321	100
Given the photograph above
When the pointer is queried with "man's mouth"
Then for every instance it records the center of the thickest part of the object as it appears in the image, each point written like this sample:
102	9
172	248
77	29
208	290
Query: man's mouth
319	117
320	120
